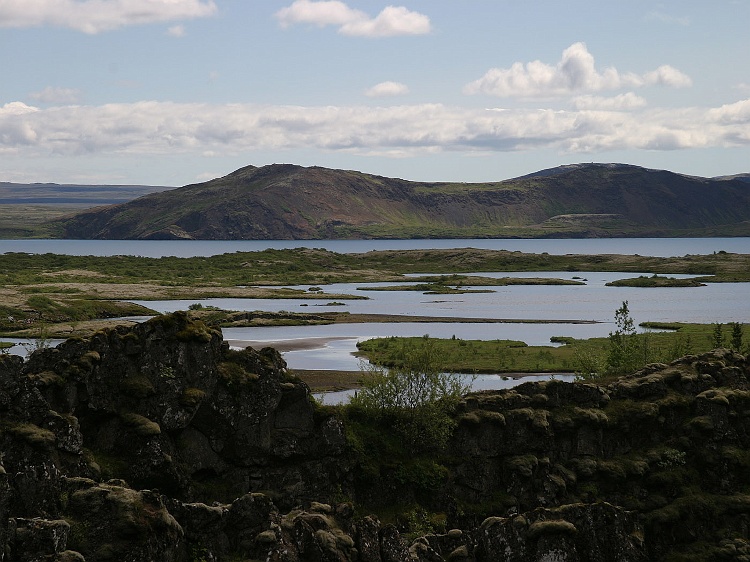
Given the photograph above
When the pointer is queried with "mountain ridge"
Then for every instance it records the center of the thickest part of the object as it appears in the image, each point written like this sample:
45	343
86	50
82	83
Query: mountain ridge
288	201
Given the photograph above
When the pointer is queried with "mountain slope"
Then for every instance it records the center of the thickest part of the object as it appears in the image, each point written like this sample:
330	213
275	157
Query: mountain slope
283	201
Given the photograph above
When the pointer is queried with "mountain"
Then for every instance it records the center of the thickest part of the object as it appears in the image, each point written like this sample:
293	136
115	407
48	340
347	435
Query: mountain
740	177
283	201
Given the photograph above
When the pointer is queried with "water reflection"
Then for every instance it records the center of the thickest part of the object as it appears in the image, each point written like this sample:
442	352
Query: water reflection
481	382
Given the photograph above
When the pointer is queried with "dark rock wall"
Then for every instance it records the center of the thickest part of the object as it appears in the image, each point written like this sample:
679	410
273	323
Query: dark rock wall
160	443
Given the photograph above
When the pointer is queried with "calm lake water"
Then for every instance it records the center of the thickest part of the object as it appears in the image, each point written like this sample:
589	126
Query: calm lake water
565	304
664	247
721	302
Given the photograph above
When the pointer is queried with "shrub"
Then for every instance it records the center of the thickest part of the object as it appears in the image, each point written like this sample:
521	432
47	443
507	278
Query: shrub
417	396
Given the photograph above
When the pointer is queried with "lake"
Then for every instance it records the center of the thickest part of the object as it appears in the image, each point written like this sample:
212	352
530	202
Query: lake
721	302
565	304
663	247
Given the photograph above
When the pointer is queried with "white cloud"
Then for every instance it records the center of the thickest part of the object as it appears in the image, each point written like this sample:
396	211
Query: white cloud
667	75
151	127
176	31
574	73
16	108
385	89
57	95
623	101
391	21
95	16
323	13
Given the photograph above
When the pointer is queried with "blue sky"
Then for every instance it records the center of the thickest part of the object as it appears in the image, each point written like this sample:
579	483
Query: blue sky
172	92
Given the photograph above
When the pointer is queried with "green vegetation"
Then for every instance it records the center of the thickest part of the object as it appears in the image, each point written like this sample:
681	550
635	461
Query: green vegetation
655	281
457	355
397	427
622	350
415	396
624	355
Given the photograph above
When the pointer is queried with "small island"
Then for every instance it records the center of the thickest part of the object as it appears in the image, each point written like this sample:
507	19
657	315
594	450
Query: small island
655	281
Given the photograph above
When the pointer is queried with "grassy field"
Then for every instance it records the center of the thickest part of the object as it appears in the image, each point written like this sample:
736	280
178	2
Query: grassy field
507	356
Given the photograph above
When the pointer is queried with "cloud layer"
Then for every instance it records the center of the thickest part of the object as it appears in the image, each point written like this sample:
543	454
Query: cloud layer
575	73
164	127
95	16
393	20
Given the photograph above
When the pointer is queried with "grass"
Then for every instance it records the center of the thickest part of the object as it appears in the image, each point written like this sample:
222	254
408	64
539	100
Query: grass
655	281
507	356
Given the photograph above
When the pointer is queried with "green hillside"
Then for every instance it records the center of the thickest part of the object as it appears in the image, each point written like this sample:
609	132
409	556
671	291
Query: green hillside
283	201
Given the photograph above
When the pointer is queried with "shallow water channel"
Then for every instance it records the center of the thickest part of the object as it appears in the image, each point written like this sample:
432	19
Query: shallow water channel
564	306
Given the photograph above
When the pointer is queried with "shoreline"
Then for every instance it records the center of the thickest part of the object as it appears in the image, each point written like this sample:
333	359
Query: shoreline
299	344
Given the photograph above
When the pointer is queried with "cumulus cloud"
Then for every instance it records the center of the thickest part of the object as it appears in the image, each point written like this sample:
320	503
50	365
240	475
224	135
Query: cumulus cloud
667	75
386	89
576	72
391	21
95	16
57	95
151	127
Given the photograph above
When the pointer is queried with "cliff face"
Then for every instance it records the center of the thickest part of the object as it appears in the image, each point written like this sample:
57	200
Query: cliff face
160	443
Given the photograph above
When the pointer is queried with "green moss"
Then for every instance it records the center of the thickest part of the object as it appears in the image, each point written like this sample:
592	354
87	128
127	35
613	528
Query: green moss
492	417
715	396
32	434
471	418
625	412
191	397
138	386
130	337
613	469
552	527
234	373
78	535
48	378
90	358
522	464
140	425
702	423
424	474
196	331
589	416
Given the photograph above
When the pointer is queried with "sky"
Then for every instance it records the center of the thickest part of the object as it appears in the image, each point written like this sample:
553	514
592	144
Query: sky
172	92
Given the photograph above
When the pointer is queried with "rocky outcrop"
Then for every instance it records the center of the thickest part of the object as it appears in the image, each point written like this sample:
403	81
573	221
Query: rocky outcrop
669	442
158	442
95	432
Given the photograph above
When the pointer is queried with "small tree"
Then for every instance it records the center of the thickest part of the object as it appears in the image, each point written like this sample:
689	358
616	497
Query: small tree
623	353
417	396
718	336
736	335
